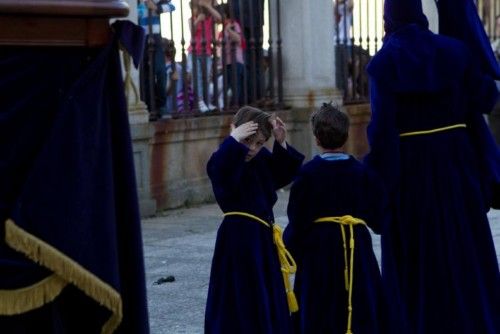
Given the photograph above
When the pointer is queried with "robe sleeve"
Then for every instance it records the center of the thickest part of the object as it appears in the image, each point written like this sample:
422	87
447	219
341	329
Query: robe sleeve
377	203
482	96
297	216
225	167
481	89
285	163
383	137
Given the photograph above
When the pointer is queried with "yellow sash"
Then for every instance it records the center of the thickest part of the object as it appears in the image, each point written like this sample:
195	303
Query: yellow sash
426	132
288	265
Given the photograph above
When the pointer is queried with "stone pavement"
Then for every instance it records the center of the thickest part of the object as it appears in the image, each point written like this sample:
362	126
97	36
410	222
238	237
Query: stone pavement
180	243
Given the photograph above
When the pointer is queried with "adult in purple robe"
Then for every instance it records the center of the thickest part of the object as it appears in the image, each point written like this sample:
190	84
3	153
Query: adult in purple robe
428	96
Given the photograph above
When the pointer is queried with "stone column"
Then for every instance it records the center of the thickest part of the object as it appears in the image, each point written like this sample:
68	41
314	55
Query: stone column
430	10
307	31
137	109
140	128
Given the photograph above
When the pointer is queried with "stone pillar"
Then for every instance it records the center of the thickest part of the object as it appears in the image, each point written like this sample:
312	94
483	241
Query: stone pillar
137	109
140	128
307	31
430	10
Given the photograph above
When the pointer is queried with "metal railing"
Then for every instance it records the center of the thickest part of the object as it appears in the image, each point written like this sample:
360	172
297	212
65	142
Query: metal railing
489	12
358	35
232	73
214	73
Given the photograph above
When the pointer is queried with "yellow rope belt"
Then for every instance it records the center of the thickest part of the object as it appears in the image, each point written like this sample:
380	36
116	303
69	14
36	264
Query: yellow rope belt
426	132
348	266
288	265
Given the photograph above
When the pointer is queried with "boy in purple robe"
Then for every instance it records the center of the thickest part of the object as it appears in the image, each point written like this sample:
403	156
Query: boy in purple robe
333	201
247	292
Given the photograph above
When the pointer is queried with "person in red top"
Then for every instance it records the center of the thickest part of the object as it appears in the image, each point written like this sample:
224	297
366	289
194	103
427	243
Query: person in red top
201	24
234	46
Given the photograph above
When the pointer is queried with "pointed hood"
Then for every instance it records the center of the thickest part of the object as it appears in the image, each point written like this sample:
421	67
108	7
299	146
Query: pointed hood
411	58
398	13
460	19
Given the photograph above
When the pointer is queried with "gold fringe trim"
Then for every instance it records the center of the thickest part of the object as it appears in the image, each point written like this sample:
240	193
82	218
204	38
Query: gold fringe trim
25	299
68	269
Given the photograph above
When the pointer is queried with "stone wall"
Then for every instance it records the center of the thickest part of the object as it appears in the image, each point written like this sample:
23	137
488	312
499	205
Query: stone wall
357	144
171	156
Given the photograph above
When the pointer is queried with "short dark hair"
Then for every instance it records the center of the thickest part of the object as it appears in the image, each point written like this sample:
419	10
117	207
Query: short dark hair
262	118
168	46
225	10
330	126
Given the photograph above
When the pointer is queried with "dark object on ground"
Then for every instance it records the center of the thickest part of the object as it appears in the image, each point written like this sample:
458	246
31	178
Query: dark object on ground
168	279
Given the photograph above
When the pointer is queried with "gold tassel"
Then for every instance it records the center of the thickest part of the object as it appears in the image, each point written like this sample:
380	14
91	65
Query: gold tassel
292	301
288	266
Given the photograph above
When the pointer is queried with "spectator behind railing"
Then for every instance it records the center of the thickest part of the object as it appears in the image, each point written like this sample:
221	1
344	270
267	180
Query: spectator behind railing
250	13
153	64
351	57
238	73
342	12
234	45
201	24
175	83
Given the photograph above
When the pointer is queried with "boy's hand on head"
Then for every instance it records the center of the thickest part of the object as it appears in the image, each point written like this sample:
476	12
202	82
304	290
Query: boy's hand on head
244	130
279	131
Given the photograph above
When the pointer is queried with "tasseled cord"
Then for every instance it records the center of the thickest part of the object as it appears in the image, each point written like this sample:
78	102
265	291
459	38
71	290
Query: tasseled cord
288	267
348	263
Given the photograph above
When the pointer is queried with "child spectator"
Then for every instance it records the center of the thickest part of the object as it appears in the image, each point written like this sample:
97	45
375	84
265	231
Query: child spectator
201	25
332	202
247	293
148	12
177	85
233	52
173	72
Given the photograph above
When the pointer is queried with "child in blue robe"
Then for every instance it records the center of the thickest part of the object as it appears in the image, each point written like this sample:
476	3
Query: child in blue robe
332	202
247	290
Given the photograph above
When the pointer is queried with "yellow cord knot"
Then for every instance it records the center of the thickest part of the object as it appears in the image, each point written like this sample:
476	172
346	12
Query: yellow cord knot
349	265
